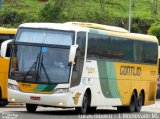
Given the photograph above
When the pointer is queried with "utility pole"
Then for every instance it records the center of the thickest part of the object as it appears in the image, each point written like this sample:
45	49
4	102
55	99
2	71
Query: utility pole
129	16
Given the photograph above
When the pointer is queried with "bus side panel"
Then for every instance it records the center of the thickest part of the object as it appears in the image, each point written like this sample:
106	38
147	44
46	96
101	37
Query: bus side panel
102	82
4	66
127	74
150	76
136	77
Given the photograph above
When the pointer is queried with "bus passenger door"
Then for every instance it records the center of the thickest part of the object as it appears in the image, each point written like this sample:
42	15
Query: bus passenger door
79	59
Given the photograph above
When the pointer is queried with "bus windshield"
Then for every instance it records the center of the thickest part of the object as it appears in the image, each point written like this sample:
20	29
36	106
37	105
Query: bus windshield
54	37
45	62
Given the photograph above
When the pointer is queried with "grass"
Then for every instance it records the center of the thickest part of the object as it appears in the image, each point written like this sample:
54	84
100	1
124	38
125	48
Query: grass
29	6
116	8
85	10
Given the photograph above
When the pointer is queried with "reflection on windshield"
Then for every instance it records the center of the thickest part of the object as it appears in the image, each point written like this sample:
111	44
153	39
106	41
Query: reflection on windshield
45	36
41	64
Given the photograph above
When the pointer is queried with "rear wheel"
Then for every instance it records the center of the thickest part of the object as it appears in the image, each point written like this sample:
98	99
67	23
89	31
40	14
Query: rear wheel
31	107
84	107
131	107
139	103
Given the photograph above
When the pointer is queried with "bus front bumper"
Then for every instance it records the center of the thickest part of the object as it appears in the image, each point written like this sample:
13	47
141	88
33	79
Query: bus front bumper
56	100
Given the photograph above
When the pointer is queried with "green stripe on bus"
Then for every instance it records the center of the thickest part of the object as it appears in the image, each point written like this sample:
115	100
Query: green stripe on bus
45	88
50	87
113	81
40	87
108	80
103	75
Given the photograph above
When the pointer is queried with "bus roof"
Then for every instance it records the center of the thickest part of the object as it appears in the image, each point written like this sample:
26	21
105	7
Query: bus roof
7	30
99	26
58	26
91	27
136	36
114	31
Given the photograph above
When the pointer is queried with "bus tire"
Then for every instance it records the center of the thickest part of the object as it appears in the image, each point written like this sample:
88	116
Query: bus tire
132	106
83	109
31	107
139	102
3	103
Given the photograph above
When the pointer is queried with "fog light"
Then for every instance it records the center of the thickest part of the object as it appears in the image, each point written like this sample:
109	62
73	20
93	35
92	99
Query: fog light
60	103
13	100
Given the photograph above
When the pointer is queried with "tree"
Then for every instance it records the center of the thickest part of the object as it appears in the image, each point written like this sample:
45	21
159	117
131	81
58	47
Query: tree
155	30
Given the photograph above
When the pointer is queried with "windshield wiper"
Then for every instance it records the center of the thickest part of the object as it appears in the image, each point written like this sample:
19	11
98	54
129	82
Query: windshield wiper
34	65
37	66
44	69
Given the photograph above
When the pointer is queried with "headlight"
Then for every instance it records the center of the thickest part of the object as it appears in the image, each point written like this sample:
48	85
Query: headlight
61	90
13	86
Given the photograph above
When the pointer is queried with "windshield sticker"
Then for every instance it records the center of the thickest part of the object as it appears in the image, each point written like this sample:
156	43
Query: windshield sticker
44	49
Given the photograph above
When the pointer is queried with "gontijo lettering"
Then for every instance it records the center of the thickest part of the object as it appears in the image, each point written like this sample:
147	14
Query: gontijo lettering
130	70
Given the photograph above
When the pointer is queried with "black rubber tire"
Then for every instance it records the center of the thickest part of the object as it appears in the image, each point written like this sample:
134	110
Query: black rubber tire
139	102
3	103
131	107
83	109
31	107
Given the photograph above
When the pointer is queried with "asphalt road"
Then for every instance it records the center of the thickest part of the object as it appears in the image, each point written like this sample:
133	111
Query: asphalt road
19	112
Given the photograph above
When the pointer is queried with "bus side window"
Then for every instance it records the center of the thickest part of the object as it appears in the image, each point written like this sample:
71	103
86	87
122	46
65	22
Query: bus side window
79	59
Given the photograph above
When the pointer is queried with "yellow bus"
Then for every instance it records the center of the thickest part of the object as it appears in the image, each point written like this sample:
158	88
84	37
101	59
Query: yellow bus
5	34
82	66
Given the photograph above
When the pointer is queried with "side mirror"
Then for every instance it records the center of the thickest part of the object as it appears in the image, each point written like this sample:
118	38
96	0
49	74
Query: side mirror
72	53
4	48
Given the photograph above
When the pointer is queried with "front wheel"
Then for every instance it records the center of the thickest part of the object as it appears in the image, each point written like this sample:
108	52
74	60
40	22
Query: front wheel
84	107
31	107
